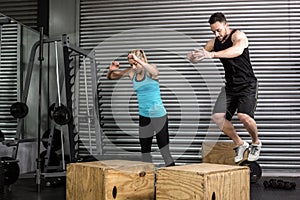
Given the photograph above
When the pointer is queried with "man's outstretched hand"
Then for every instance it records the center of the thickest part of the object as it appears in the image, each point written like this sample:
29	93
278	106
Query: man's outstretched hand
199	54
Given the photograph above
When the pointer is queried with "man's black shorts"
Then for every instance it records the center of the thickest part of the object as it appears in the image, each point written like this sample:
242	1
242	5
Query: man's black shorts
242	100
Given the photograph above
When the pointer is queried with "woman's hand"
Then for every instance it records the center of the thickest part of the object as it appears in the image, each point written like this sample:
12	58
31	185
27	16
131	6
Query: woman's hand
114	66
130	56
114	72
150	68
134	57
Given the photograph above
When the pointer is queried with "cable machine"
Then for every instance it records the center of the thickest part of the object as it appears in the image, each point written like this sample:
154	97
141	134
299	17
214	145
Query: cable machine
61	114
67	115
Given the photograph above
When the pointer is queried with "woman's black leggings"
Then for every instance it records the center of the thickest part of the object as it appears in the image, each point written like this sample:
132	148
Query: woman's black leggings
147	127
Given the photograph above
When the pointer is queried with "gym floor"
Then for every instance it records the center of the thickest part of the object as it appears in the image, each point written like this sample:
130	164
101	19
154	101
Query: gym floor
25	188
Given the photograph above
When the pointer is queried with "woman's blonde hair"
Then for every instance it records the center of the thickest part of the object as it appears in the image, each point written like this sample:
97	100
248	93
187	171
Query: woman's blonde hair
139	53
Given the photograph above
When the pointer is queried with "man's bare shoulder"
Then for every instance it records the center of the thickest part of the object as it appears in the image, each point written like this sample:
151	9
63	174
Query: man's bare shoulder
238	34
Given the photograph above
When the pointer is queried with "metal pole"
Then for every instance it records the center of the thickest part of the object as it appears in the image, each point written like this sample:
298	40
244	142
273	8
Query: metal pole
41	58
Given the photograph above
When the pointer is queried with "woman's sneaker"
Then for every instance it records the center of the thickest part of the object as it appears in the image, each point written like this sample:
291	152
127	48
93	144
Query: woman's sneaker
254	152
239	152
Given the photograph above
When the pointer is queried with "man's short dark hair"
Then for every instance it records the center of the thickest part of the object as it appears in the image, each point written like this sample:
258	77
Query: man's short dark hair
217	17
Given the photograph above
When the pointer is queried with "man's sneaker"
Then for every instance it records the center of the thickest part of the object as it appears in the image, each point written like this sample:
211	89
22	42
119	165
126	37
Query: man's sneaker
254	152
239	152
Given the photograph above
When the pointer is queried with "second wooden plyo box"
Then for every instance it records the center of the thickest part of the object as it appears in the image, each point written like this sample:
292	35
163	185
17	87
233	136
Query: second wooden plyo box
203	181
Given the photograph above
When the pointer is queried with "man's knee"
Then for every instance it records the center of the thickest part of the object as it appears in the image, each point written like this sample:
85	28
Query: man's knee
218	117
244	118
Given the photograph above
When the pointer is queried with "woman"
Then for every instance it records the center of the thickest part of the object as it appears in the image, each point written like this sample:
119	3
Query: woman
152	113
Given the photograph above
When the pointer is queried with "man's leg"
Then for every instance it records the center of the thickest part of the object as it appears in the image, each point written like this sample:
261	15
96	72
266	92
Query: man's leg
246	107
225	107
227	128
250	125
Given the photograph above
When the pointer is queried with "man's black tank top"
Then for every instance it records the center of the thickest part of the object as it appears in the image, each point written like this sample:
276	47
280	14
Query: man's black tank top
238	70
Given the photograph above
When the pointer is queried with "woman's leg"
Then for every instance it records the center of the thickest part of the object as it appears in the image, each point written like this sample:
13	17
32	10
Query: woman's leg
162	136
146	133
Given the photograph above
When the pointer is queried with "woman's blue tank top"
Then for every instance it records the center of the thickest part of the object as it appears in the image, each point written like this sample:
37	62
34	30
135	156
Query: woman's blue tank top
148	94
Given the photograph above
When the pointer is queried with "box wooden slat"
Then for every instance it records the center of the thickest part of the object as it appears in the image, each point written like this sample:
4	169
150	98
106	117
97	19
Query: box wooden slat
110	180
203	181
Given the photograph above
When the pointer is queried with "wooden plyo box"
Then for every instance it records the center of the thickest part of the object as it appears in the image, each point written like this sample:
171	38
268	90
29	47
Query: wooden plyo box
203	181
219	153
110	180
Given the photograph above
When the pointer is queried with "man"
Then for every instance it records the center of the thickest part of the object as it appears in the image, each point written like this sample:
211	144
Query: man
231	47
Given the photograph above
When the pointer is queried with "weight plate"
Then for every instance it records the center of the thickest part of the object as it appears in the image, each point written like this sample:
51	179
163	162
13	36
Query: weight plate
51	110
53	161
255	170
56	139
18	110
2	137
62	115
11	170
